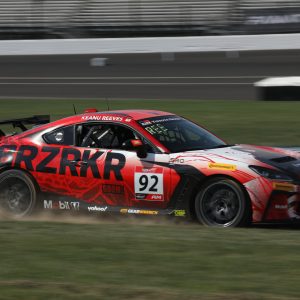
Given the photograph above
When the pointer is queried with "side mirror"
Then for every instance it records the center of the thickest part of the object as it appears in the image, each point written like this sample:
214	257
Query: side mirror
137	146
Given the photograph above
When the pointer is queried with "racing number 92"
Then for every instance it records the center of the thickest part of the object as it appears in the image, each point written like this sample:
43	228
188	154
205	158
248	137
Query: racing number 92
148	183
144	182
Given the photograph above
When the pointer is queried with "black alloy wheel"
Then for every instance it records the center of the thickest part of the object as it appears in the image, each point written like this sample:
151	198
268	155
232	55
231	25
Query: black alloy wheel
223	203
18	194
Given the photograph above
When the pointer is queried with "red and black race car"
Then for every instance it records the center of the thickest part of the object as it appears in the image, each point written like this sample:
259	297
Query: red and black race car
144	162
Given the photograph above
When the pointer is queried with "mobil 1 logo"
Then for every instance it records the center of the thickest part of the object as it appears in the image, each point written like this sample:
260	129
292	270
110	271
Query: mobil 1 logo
148	184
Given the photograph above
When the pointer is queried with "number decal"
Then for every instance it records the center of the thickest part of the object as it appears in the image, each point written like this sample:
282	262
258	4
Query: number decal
153	187
143	181
148	186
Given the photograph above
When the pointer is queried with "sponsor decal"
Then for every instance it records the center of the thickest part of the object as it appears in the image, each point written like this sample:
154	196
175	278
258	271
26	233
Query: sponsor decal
149	197
287	187
145	122
128	120
102	118
278	206
179	213
138	211
167	119
91	118
112	189
176	161
156	120
63	205
67	161
221	166
156	197
148	184
97	208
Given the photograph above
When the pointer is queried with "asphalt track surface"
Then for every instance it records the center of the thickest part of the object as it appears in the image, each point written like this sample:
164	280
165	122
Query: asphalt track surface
206	76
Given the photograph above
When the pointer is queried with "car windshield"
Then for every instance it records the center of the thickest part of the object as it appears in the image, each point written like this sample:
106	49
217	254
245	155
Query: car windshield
178	134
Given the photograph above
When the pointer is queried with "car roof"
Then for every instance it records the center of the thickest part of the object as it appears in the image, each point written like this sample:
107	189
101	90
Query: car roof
136	114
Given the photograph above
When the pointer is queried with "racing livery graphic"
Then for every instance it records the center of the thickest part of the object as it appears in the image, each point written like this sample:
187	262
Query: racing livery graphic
144	162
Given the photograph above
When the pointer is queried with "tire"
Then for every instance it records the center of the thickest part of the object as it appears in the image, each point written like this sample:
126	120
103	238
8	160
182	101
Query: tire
222	202
18	193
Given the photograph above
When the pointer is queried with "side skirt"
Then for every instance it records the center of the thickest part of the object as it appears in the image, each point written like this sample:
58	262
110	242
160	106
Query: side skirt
57	203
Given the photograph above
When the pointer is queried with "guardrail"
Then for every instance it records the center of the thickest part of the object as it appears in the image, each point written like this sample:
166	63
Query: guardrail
151	45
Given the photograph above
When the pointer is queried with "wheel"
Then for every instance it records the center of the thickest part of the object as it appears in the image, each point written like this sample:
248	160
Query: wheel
18	194
223	203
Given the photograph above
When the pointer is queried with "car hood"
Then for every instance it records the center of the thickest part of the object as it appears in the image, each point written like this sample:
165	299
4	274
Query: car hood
282	159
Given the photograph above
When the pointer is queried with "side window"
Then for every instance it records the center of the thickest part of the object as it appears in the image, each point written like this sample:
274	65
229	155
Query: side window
61	136
106	136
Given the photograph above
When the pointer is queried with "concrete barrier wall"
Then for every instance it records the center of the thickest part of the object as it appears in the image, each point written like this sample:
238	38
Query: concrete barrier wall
151	45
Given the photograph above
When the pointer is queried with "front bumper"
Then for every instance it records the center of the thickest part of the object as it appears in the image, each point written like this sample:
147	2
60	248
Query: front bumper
283	203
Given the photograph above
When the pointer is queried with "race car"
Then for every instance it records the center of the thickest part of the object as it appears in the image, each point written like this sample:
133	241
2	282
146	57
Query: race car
144	162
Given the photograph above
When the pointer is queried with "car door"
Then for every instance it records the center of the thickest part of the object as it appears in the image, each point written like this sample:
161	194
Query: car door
119	177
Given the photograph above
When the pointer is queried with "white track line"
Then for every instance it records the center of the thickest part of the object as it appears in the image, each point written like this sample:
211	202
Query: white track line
125	83
135	77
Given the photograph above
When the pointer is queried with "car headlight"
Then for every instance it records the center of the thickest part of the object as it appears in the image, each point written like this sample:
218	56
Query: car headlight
271	174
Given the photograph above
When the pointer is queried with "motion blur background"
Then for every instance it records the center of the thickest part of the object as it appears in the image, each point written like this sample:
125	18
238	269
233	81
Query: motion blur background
199	59
213	69
99	18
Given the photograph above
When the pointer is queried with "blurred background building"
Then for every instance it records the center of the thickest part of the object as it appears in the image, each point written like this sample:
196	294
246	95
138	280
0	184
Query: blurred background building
118	18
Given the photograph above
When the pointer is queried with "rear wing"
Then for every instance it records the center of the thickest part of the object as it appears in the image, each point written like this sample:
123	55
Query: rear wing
20	123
